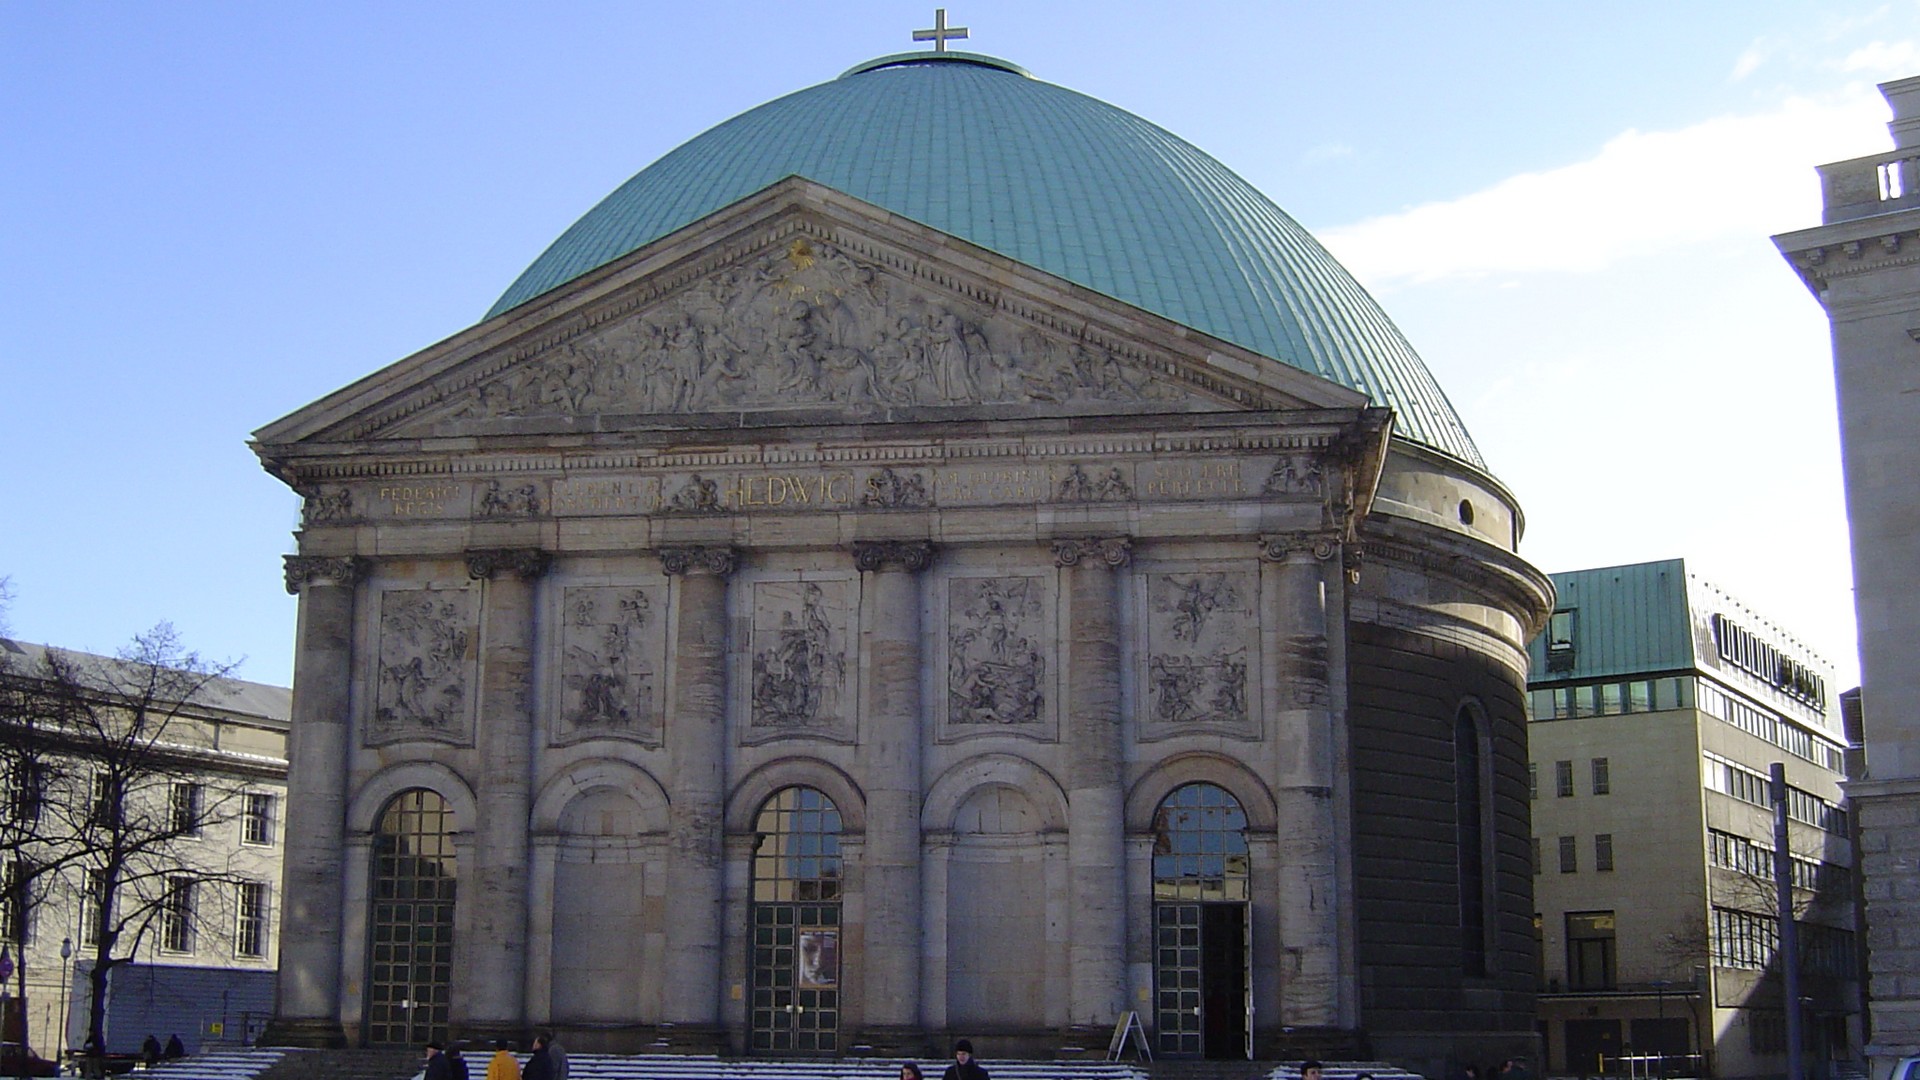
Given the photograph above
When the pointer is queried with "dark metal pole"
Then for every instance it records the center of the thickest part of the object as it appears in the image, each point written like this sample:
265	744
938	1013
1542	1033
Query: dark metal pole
1789	955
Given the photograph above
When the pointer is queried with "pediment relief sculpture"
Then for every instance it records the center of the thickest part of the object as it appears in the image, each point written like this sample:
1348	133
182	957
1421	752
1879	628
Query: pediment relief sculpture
809	326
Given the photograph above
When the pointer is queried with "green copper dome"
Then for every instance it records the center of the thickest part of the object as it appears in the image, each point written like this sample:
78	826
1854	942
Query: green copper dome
975	147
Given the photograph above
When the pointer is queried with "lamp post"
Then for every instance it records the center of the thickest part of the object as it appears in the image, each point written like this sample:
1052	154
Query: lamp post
60	1041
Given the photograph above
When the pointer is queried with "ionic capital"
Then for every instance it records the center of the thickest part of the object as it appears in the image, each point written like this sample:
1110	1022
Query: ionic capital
1114	551
680	561
305	570
527	563
912	556
1297	546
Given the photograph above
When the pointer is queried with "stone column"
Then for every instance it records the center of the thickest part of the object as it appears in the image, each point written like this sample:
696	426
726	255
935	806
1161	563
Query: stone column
308	1010
1096	825
1293	581
497	947
889	759
697	751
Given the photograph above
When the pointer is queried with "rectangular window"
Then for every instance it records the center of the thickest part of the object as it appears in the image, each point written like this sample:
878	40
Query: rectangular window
1612	701
14	909
176	915
250	929
90	897
24	787
1603	852
1538	863
1602	777
1533	780
185	807
106	801
256	821
1590	964
1563	779
1569	856
1640	696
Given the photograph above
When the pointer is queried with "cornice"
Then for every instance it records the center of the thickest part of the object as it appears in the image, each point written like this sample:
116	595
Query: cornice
1503	576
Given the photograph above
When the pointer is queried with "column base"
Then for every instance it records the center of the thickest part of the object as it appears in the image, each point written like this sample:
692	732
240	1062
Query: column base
304	1034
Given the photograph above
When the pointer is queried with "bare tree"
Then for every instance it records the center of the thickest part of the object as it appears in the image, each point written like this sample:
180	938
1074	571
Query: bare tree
122	770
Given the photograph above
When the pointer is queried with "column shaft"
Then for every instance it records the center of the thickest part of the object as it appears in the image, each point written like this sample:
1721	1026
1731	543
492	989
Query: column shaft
1303	787
496	998
1096	829
697	748
308	1010
890	764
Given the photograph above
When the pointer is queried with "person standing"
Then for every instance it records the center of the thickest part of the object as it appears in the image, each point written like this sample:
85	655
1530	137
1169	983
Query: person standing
504	1065
540	1064
437	1068
964	1067
1310	1070
150	1052
556	1055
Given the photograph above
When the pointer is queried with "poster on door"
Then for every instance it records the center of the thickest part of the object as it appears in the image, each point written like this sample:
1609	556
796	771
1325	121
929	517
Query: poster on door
819	960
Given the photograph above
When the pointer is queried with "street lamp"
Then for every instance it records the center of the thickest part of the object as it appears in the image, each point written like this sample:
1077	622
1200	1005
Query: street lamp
60	1041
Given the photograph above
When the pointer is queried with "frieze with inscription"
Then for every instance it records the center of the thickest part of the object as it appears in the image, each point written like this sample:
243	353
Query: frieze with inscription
799	668
810	325
996	666
425	664
1198	629
613	647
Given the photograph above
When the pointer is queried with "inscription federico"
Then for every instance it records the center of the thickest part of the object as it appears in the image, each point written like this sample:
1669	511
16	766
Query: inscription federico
422	500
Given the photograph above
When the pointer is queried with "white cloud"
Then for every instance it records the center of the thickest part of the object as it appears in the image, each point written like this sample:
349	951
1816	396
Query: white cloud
1642	193
1327	152
1750	61
1882	59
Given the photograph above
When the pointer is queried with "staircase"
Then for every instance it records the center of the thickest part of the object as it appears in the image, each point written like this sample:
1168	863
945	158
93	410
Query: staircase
386	1063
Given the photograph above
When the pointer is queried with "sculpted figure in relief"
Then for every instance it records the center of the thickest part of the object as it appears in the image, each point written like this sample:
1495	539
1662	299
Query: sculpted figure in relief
799	664
1295	474
327	506
424	635
890	490
1197	626
807	326
496	501
607	667
995	671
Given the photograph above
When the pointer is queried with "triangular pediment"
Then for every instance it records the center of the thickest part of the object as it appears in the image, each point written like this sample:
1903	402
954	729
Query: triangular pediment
801	305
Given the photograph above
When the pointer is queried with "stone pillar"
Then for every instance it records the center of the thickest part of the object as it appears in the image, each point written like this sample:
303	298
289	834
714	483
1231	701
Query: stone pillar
697	791
889	758
308	1009
1293	581
1096	812
497	948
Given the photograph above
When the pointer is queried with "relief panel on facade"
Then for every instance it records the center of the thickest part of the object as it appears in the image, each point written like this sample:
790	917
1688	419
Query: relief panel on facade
806	326
612	656
801	656
1201	649
425	665
999	673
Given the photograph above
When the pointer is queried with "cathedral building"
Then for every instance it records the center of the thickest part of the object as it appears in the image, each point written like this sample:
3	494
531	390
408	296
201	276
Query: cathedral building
867	584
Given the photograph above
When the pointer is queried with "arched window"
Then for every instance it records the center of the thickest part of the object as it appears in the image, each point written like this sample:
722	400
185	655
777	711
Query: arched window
411	922
1202	968
1470	815
796	923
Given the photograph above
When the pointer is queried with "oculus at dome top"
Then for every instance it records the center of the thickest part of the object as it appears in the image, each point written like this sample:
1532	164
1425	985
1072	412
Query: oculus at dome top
976	147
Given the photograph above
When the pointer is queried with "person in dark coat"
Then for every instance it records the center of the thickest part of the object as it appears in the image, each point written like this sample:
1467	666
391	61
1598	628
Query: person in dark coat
964	1067
150	1052
540	1065
437	1066
175	1048
456	1064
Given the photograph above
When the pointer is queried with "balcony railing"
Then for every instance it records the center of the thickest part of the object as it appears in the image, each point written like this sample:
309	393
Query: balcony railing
1866	186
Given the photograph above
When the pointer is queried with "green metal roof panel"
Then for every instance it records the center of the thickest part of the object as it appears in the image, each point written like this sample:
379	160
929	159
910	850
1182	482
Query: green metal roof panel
1060	181
1627	620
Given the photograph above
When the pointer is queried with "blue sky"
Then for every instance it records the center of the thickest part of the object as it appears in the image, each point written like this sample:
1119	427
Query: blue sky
213	213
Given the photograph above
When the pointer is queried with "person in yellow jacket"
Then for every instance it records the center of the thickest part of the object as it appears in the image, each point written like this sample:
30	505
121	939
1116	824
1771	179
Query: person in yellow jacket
504	1065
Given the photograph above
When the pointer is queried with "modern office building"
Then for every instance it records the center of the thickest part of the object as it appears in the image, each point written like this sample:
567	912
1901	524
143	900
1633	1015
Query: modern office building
1659	705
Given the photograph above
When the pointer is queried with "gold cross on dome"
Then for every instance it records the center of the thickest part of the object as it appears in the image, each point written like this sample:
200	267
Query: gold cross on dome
940	32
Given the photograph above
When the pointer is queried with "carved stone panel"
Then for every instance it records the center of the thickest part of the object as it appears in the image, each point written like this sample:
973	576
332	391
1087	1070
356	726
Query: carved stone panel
613	648
800	659
1202	651
1000	657
805	326
425	666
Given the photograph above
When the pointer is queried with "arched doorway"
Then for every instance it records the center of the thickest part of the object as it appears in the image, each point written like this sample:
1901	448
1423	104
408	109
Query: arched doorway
410	966
1202	925
795	919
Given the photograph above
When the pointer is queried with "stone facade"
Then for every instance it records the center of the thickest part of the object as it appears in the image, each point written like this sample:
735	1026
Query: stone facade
1862	268
807	496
